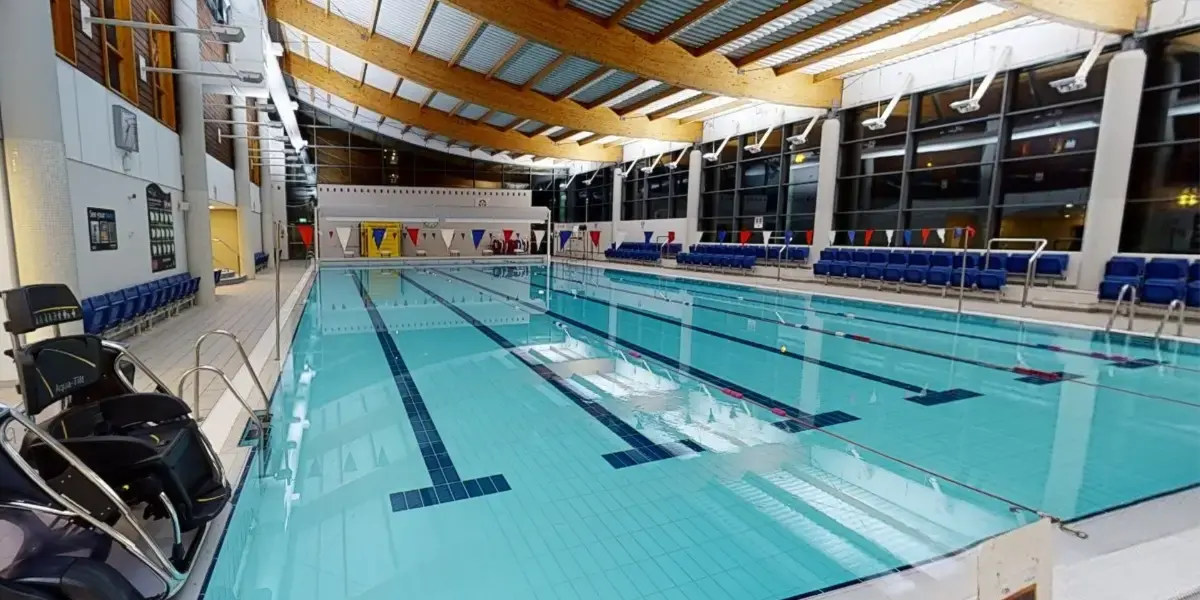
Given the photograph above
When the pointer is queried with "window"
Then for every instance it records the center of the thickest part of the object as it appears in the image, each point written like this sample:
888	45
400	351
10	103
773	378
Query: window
872	192
935	106
120	72
966	144
1061	225
880	155
62	13
164	83
1033	89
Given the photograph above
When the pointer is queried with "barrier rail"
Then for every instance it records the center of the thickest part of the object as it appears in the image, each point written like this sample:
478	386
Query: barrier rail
1112	317
1176	303
262	428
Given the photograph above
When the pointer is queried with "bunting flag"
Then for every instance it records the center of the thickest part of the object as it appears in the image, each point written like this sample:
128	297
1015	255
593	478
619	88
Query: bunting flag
868	236
924	236
648	234
958	231
767	237
620	238
477	236
563	236
851	236
331	235
538	234
721	236
670	237
787	237
941	233
907	237
890	233
595	237
744	236
832	236
306	234
508	235
970	232
377	234
343	234
413	232
448	237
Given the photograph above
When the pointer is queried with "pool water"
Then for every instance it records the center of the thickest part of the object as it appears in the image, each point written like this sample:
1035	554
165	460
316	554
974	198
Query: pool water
494	432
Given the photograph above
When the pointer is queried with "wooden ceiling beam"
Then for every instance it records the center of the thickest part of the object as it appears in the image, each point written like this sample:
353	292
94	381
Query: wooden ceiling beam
615	93
516	47
693	15
750	26
596	75
1115	16
436	121
571	32
544	72
811	32
694	101
665	92
428	14
465	45
620	14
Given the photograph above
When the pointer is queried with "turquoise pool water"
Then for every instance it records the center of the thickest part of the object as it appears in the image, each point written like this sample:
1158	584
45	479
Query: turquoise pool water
491	432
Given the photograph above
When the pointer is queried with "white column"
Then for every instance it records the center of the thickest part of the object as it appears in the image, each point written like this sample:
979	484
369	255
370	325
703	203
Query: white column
1110	177
190	93
39	210
695	172
831	138
618	197
241	188
266	219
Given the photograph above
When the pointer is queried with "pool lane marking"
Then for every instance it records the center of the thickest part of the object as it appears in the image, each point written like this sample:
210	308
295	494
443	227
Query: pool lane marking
1117	360
1028	375
795	419
651	353
447	486
643	449
920	395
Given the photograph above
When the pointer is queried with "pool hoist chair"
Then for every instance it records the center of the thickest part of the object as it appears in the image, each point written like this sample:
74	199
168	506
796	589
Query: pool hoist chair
109	451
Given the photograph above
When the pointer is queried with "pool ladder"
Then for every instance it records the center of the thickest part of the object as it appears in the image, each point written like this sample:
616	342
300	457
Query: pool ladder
1175	304
1131	308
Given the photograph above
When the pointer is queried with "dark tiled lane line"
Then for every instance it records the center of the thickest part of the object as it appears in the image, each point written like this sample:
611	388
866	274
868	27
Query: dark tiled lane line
643	449
798	420
447	486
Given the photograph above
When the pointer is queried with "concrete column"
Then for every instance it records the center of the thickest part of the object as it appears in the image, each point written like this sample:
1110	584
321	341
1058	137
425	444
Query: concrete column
831	138
266	220
695	173
241	188
190	94
39	210
1114	153
618	197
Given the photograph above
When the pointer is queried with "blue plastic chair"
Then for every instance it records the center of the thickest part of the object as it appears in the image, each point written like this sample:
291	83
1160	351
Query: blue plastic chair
1119	272
1165	280
918	267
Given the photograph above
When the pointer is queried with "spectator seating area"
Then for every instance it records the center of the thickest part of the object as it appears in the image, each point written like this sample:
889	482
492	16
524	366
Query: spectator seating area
1157	281
260	261
783	255
635	252
942	269
136	308
719	257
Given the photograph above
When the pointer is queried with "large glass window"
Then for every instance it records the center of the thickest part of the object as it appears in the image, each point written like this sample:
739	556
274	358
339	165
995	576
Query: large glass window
769	184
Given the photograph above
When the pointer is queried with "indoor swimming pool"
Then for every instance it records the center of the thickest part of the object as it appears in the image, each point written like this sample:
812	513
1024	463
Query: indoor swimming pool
478	431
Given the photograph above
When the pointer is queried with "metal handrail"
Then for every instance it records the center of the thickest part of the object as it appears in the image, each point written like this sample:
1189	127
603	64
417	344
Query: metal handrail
258	423
245	359
962	279
1112	317
1176	303
278	303
1037	253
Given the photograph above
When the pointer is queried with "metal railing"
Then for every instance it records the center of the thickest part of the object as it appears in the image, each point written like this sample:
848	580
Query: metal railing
1131	309
245	360
1040	246
258	422
237	257
1175	304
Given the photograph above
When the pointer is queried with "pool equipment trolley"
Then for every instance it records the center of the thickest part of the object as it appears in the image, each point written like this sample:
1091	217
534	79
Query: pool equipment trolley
70	480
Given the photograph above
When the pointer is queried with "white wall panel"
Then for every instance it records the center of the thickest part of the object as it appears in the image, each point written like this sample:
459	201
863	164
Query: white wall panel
1166	15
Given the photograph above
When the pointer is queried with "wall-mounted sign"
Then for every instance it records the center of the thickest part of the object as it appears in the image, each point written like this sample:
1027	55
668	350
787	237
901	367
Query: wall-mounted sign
758	222
102	228
162	228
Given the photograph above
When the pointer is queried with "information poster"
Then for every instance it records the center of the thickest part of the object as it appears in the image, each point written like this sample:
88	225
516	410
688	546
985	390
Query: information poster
1018	565
162	228
102	228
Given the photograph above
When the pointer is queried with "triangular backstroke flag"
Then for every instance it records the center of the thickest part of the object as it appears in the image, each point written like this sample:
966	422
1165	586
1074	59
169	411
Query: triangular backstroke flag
448	236
343	234
477	236
508	235
767	237
382	459
349	466
721	236
648	235
970	232
958	231
538	234
808	235
832	236
620	238
890	233
744	236
941	233
907	237
851	235
306	234
867	238
377	235
924	236
670	237
595	237
413	232
563	236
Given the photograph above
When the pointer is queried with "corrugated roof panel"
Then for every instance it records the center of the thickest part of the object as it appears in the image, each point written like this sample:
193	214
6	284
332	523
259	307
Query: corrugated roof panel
526	63
448	29
399	20
359	11
653	15
638	90
472	111
1028	21
316	51
639	93
367	117
730	17
345	63
413	92
491	45
600	8
380	78
443	102
340	106
531	127
501	119
392	128
806	17
604	86
567	74
860	26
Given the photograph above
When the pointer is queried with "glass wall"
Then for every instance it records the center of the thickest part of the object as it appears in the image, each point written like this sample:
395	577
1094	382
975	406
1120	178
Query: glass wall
1162	213
659	194
773	189
1018	166
588	198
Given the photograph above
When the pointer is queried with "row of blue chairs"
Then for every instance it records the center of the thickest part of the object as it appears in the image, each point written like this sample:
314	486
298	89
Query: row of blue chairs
650	256
939	269
137	307
716	261
1051	266
260	261
666	249
1158	281
786	254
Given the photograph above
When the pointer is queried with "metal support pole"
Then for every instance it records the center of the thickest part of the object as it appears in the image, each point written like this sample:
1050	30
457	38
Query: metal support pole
278	233
962	279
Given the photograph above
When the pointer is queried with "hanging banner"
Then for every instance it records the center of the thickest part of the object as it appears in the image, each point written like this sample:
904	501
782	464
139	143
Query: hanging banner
832	236
924	236
867	238
538	234
649	235
620	238
744	236
1018	565
377	235
851	235
306	234
670	237
595	237
721	236
890	233
508	235
563	236
413	232
941	233
767	237
343	235
448	237
907	237
477	236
